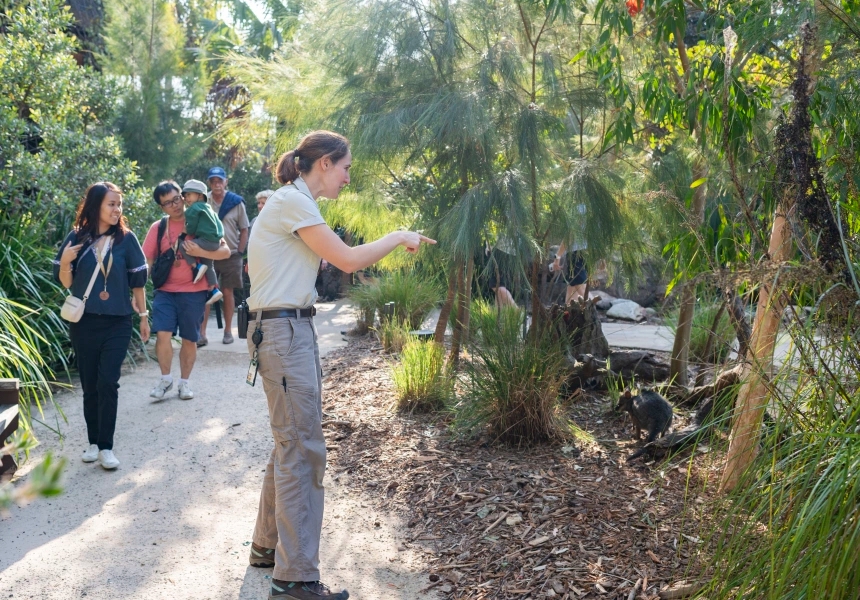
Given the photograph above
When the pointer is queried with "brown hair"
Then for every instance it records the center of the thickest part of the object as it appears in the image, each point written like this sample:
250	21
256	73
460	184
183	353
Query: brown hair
314	146
87	216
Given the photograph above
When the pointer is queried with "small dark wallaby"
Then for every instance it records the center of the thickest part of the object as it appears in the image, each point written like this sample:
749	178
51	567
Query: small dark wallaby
649	411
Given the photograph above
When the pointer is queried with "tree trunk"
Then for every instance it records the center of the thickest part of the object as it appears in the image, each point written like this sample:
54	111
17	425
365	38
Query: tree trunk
462	323
445	313
752	397
681	347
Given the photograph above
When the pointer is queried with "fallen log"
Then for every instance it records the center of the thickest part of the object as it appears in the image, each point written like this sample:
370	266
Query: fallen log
724	380
588	371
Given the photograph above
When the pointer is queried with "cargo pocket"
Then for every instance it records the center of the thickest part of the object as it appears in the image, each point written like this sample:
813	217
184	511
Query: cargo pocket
304	404
281	415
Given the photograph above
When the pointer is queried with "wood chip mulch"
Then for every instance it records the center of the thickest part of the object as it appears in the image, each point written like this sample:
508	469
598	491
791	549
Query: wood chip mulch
565	521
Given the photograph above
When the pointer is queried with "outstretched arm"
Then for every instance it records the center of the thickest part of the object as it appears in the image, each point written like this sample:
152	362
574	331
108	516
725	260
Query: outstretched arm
328	246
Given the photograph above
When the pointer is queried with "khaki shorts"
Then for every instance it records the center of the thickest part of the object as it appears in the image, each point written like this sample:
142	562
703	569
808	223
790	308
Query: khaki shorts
229	272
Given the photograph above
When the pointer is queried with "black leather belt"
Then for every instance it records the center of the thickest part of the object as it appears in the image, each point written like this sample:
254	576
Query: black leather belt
285	313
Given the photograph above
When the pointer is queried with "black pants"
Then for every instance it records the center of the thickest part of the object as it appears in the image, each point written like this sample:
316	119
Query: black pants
100	343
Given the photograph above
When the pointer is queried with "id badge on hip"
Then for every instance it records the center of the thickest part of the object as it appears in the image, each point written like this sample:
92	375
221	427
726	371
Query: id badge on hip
251	378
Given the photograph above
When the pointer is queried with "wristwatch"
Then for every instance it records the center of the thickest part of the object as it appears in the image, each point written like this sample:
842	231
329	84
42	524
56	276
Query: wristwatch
143	314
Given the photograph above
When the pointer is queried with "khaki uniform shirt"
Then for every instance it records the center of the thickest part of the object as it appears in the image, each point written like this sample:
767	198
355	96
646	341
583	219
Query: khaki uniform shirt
282	268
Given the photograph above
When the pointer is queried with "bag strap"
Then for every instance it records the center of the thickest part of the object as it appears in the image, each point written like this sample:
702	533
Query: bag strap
92	279
162	225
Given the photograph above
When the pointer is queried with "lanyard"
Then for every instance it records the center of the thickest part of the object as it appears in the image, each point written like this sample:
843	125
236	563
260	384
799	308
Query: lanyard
104	295
257	338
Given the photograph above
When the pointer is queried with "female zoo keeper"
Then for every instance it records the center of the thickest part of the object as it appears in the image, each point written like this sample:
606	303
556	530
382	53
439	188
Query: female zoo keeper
287	243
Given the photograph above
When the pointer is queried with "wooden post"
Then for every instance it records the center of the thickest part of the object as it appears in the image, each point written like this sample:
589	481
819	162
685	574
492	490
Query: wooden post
9	392
753	394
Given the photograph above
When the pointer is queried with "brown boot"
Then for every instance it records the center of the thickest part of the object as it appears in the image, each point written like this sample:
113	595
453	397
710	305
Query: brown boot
304	590
263	558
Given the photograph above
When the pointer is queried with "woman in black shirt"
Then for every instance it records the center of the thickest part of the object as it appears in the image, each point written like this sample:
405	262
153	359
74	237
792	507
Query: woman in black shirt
101	240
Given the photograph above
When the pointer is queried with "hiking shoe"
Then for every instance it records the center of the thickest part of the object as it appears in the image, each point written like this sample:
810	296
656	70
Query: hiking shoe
202	341
161	388
228	338
307	590
214	296
185	392
108	460
263	558
199	271
91	454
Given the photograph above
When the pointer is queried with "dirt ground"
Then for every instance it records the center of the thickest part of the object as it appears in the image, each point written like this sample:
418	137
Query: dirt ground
563	521
175	520
413	511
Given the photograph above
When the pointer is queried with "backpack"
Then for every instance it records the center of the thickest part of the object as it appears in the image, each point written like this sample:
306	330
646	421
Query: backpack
163	261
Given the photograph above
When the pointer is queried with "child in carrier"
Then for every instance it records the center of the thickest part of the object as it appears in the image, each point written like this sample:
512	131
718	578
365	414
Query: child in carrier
203	224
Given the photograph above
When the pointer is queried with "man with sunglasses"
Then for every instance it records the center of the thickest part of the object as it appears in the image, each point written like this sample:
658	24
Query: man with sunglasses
177	306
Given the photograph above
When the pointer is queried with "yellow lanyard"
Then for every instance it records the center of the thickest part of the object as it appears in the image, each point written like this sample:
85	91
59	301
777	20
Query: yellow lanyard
104	295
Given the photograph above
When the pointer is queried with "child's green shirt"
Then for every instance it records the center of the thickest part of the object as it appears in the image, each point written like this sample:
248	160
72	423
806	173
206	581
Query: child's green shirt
202	222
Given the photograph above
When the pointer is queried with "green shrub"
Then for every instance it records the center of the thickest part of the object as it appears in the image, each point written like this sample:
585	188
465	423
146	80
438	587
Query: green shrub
413	296
513	382
420	377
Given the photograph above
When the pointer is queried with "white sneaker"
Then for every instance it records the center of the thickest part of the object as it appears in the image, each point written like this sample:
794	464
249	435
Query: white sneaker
201	271
108	460
185	392
91	454
161	388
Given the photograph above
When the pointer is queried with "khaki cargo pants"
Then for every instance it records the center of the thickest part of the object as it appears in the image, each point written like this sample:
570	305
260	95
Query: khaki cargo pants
291	503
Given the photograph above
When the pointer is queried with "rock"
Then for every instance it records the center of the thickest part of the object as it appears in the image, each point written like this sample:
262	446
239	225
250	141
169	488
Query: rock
650	312
603	295
626	310
648	288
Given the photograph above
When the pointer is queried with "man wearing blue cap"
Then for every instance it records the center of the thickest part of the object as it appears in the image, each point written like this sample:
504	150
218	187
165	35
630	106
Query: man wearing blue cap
231	210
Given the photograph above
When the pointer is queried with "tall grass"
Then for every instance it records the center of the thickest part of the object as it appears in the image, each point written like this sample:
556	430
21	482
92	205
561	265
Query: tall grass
26	278
393	335
420	378
414	296
792	528
21	358
513	381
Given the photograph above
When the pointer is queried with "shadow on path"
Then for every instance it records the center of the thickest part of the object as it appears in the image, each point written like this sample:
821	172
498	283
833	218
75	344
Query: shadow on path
175	519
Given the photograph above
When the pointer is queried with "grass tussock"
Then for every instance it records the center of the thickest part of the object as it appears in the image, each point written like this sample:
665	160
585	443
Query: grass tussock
413	297
513	381
420	379
393	336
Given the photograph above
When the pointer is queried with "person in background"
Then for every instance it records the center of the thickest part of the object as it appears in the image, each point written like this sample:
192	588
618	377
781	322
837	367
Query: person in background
284	255
502	259
575	270
231	210
177	306
205	228
261	202
101	241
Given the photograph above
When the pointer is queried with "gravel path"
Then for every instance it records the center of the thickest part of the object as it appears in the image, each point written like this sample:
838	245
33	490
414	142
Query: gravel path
175	520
